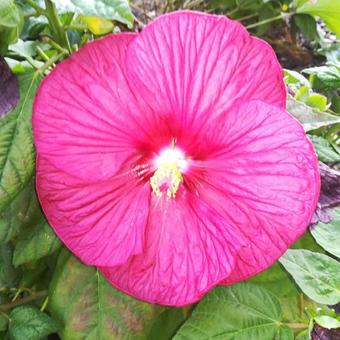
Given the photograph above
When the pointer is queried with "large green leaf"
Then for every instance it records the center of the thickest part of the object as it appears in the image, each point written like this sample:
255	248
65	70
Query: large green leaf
11	23
21	210
109	9
326	77
310	117
3	322
326	152
17	154
277	281
307	25
89	308
167	324
317	275
327	321
294	77
239	312
328	10
35	243
294	308
28	49
9	276
29	323
328	234
306	241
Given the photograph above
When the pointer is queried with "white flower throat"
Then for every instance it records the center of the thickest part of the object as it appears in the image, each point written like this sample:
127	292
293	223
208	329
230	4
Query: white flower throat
170	164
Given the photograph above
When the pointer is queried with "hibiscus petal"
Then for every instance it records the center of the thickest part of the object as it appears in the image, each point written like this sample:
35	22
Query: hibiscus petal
189	64
264	180
101	222
82	112
188	250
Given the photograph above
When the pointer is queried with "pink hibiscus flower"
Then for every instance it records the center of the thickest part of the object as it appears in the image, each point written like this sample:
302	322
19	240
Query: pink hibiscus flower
166	157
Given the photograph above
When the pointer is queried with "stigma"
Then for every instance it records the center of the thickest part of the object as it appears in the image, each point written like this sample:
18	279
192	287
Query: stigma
169	164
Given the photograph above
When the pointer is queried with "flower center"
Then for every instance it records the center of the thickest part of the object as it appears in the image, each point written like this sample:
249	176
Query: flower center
168	175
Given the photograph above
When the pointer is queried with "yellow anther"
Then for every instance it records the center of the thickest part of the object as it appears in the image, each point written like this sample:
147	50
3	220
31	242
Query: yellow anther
166	179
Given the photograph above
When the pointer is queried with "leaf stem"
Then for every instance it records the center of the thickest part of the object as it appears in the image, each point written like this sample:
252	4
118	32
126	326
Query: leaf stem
249	16
78	27
50	62
233	11
17	294
296	325
42	54
24	300
263	22
39	10
44	305
56	26
5	315
48	40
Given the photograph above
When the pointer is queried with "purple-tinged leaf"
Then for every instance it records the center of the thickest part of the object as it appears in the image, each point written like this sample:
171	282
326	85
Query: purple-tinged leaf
329	194
320	333
9	88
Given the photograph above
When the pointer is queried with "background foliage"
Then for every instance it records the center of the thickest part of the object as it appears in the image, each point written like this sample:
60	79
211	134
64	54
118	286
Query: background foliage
46	291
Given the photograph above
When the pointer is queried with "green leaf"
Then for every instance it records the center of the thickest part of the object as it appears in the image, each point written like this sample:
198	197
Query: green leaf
9	276
29	323
266	11
328	10
277	281
284	333
328	234
36	243
250	5
326	321
20	66
302	93
17	155
311	118
89	307
294	308
307	25
118	10
316	274
239	312
167	324
326	153
317	101
11	23
325	77
336	104
306	241
3	322
22	209
293	77
28	49
97	25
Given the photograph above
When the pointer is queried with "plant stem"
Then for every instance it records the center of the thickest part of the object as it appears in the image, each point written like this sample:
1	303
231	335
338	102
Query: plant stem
296	325
42	54
76	27
36	7
56	26
26	299
233	11
5	315
44	305
17	294
48	40
263	22
249	16
50	62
